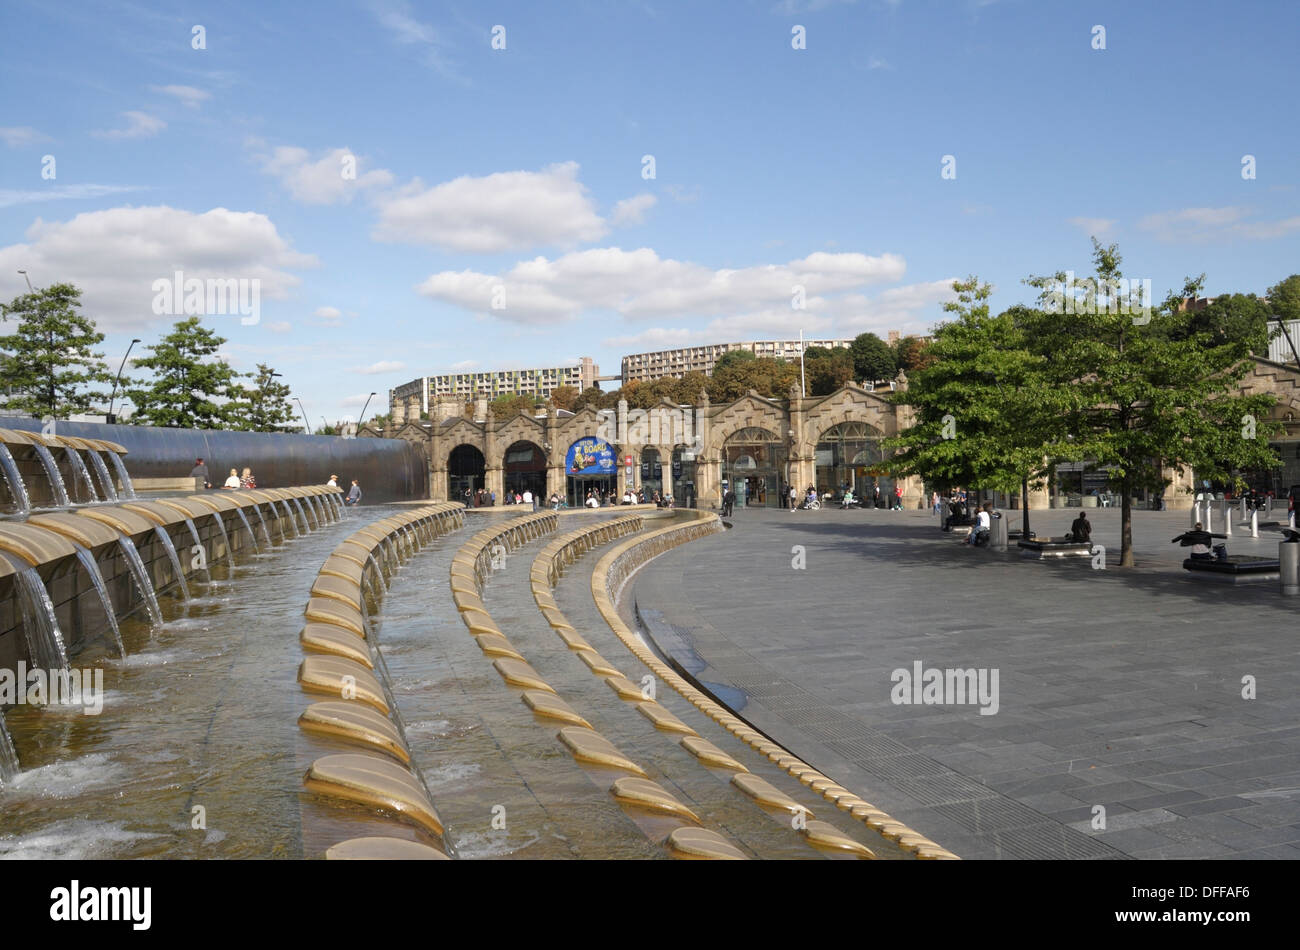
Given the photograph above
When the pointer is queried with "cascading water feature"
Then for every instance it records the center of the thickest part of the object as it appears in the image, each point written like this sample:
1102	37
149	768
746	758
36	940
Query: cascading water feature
378	571
142	582
9	767
266	534
194	533
230	554
288	516
311	512
170	548
53	474
109	490
16	487
44	639
88	563
128	490
326	507
320	509
83	474
302	514
247	527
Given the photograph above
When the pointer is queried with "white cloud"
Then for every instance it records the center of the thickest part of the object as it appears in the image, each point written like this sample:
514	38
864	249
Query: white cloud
1200	225
639	284
17	136
9	197
140	125
631	210
499	212
1094	227
383	366
464	365
396	17
322	181
115	255
280	326
188	95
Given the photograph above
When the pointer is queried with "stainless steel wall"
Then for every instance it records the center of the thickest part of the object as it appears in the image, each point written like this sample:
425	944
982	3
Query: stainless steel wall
387	469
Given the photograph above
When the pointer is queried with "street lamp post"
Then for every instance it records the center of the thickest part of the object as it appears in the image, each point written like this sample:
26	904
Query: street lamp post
306	424
364	408
109	417
29	281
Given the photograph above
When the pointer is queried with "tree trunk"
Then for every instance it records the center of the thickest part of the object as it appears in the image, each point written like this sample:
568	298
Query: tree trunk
1024	507
1126	525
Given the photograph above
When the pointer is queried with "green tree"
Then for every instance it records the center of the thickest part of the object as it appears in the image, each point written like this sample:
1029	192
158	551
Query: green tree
731	358
826	370
264	406
49	360
1284	302
1152	388
508	405
591	396
189	389
873	360
766	376
912	353
987	411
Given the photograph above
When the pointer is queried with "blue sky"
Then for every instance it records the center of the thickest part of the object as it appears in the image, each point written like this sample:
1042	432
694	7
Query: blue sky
516	176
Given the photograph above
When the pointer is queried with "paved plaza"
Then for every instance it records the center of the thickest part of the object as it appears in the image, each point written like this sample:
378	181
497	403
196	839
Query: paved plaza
1120	692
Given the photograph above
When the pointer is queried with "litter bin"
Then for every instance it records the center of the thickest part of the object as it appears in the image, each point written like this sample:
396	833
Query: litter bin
998	532
1288	564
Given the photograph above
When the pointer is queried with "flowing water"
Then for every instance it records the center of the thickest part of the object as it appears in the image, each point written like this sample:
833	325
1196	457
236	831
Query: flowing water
53	474
313	510
17	490
170	548
44	638
142	582
230	554
203	714
97	578
249	528
8	756
378	572
288	516
128	490
83	475
105	480
301	514
265	533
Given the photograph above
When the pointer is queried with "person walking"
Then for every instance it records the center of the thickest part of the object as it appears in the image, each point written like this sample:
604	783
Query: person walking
898	497
200	470
794	498
354	495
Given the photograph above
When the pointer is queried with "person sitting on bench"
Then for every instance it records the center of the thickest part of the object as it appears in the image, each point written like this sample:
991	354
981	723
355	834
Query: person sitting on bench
1081	530
1198	540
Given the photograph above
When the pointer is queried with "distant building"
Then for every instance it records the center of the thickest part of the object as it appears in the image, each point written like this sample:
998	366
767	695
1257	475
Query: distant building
408	401
661	363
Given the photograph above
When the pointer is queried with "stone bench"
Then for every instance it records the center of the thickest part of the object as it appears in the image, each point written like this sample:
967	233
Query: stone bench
1236	569
1048	547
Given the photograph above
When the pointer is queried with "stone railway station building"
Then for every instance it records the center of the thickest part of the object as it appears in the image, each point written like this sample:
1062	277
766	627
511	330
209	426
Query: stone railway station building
756	445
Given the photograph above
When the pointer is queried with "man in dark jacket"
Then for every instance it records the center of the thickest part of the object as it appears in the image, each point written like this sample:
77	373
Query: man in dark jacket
200	470
1081	530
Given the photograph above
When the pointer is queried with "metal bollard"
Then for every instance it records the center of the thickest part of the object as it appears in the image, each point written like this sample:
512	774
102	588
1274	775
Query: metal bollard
1288	564
1254	524
1209	516
1196	514
1227	518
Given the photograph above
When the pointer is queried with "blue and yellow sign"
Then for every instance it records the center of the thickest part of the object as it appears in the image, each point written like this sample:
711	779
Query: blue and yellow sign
590	457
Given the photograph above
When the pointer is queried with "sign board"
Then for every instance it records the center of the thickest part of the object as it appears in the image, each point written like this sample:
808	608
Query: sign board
590	456
627	460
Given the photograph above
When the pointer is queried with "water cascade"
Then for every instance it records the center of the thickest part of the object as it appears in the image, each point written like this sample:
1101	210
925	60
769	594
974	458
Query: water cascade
88	563
44	639
265	533
16	487
142	582
225	538
247	527
9	767
128	490
170	548
311	513
378	570
53	474
105	480
302	514
83	475
288	516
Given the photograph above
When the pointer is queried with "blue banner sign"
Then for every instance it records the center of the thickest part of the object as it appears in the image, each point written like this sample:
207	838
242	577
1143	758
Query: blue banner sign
590	457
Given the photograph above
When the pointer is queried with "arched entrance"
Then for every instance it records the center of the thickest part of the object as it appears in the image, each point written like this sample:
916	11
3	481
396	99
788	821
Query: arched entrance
524	469
652	476
846	454
683	476
466	470
590	464
753	464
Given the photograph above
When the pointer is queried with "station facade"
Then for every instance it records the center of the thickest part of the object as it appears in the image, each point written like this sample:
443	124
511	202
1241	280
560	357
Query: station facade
756	446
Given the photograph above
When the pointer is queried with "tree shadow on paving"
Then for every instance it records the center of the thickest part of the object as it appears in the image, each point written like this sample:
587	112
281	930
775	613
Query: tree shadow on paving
913	545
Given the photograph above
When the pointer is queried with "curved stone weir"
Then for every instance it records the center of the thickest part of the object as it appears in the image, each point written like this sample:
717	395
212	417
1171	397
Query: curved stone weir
55	477
17	487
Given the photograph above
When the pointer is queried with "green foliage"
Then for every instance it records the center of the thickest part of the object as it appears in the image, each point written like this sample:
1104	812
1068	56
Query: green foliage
591	396
49	360
189	389
731	358
873	360
826	370
263	407
768	377
564	397
508	405
912	353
